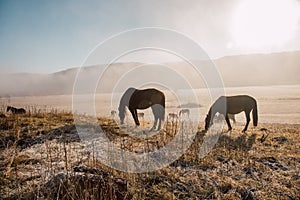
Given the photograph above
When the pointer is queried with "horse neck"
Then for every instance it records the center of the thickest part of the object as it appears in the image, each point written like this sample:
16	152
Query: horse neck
209	112
126	97
124	102
122	108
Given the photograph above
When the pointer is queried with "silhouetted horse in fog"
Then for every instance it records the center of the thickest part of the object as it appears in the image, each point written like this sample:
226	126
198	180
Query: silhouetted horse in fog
15	110
173	116
184	112
142	99
113	113
233	105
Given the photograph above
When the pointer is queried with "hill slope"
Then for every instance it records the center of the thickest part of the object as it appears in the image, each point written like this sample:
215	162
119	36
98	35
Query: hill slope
242	70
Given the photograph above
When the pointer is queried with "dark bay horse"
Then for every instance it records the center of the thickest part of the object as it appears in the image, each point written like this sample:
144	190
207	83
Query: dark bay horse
142	99
15	110
233	105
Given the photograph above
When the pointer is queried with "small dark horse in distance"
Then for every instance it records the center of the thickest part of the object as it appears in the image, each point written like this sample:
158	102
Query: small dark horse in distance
233	105
15	110
113	113
142	99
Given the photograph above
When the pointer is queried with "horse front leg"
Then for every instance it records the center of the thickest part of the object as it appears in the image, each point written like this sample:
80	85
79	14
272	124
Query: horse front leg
248	120
159	125
154	124
228	122
135	117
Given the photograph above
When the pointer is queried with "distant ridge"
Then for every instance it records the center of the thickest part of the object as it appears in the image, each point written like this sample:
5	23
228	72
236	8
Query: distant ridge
240	70
260	69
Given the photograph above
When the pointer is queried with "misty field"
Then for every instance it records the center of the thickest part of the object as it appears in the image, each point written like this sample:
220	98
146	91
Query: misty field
276	104
42	157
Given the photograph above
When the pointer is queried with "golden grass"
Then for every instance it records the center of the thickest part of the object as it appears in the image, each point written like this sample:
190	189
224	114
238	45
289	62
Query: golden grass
42	146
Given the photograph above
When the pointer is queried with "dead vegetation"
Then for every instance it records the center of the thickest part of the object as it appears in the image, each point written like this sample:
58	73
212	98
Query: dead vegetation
41	157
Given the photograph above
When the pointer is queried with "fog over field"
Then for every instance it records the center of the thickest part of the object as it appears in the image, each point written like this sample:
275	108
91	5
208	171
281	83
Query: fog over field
271	78
236	71
276	104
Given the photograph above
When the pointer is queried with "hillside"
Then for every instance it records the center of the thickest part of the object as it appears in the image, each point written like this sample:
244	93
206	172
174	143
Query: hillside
260	69
242	70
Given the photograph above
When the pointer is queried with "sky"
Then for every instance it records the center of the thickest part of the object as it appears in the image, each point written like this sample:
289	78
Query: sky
49	36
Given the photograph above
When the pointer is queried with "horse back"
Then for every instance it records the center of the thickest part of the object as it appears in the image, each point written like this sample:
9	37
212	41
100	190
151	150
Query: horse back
16	110
148	97
21	111
240	103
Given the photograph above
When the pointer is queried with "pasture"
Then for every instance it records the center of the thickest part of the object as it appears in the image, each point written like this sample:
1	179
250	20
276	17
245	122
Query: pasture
41	155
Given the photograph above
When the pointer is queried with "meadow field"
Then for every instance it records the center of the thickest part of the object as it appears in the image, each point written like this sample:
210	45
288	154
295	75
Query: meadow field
42	156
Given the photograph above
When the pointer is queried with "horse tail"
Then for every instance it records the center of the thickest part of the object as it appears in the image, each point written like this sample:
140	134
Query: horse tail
162	106
254	114
163	102
163	114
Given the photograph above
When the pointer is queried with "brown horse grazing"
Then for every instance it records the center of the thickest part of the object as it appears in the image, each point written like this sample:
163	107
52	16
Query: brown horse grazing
142	99
15	110
233	105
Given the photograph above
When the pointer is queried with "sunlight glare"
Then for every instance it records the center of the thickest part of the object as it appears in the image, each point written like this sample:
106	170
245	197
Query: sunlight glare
265	23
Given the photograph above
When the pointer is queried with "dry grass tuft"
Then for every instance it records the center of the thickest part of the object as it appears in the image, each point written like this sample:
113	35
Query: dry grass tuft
41	157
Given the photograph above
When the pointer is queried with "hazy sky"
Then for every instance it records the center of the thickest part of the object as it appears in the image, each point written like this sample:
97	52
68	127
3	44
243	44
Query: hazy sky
47	36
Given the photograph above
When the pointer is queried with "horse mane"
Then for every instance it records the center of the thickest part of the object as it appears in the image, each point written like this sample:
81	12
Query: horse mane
125	99
209	112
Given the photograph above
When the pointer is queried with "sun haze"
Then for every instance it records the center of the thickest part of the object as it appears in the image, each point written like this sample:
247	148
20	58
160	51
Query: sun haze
263	23
45	37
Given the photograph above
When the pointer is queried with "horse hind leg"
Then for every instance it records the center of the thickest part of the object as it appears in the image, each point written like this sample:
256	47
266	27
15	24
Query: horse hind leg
247	122
228	123
159	124
158	112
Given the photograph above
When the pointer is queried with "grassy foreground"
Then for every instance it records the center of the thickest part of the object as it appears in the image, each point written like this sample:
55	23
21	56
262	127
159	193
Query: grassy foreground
41	157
